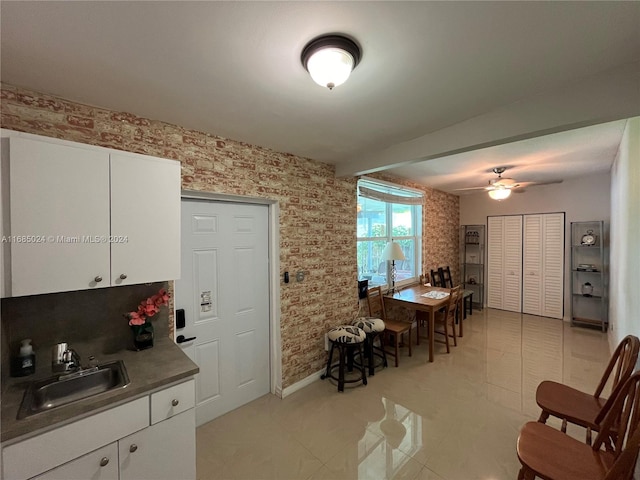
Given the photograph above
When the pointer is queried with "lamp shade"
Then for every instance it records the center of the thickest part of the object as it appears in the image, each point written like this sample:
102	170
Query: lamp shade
392	252
500	193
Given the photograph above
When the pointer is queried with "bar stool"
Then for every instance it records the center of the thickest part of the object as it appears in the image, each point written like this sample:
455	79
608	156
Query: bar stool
349	340
373	328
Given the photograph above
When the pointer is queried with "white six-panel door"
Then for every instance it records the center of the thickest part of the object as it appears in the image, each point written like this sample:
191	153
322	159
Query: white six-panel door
224	290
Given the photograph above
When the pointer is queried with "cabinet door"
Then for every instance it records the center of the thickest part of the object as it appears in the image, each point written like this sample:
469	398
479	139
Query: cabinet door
145	219
166	450
101	464
59	204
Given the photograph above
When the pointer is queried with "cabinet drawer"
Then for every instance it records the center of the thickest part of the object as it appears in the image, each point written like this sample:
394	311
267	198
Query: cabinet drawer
46	451
171	401
101	464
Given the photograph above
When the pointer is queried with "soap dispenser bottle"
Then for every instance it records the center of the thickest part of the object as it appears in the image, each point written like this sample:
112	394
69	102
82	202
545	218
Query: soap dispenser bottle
25	363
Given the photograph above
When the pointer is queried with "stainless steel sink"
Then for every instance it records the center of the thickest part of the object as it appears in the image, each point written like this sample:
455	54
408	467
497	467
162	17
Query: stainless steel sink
60	390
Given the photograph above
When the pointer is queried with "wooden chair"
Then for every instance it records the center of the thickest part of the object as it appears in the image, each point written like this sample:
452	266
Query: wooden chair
584	409
393	328
448	318
550	454
445	277
436	279
424	279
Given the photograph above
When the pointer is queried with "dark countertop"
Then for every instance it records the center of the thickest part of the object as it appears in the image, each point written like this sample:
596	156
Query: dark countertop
148	370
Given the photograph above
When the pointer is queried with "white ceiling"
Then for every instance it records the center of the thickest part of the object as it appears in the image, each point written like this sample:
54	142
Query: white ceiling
233	69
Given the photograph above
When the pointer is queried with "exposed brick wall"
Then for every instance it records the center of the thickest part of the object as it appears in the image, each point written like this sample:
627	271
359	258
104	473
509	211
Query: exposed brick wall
317	210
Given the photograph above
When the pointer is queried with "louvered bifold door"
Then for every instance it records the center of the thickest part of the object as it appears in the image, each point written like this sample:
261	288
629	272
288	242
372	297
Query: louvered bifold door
532	265
553	265
513	263
495	271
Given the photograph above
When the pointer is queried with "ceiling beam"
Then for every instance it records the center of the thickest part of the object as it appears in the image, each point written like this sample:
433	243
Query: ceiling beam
608	96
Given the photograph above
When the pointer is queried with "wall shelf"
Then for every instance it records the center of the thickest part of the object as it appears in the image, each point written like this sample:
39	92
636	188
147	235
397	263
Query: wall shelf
472	252
589	310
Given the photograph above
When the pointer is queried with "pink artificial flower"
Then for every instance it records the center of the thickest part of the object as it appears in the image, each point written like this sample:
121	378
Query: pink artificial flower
148	308
136	319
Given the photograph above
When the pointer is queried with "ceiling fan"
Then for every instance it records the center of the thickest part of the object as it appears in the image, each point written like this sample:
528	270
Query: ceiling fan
500	188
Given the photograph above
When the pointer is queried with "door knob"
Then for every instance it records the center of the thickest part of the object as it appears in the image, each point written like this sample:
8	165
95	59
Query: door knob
98	279
182	339
104	461
133	447
123	276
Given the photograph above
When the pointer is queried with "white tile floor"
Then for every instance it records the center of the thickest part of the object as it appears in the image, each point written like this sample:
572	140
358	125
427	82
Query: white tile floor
454	419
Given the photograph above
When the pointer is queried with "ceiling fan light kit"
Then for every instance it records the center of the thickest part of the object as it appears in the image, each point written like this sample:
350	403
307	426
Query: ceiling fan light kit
500	193
330	59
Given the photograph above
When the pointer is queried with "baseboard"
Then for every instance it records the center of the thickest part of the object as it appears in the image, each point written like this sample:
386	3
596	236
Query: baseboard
302	383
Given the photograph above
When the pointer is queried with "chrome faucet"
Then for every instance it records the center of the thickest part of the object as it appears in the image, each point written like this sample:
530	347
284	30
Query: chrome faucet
64	359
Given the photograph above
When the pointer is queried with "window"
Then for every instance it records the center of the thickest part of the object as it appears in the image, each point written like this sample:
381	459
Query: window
388	212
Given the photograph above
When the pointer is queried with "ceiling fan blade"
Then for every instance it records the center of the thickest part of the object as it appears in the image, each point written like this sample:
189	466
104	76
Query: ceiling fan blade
470	188
535	184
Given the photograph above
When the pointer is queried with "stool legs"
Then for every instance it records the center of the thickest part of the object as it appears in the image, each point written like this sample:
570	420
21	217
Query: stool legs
345	354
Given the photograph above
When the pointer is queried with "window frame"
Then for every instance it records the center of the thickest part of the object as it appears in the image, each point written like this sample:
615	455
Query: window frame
389	190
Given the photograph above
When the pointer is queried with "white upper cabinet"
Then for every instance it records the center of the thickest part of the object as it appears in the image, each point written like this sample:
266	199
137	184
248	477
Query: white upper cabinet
145	214
78	217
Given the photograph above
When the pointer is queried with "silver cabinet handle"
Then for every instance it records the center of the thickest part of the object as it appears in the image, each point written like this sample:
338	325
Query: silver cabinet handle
123	276
175	402
104	461
98	279
133	447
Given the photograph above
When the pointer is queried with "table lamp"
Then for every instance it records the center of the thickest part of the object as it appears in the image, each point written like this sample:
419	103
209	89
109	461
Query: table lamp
392	252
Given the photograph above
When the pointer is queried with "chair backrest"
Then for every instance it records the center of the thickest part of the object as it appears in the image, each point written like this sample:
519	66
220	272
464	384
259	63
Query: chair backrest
621	365
620	426
623	468
445	277
454	297
375	301
436	280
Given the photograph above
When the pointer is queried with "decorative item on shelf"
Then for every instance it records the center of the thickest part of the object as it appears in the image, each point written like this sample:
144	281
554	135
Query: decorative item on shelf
140	323
472	281
587	289
586	267
589	238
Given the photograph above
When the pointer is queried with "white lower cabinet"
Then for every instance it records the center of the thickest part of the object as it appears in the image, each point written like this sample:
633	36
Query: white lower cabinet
120	443
164	451
101	464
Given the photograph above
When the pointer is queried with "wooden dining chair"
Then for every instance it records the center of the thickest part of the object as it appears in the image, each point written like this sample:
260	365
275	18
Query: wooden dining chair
584	409
445	277
393	329
550	454
436	279
424	279
447	318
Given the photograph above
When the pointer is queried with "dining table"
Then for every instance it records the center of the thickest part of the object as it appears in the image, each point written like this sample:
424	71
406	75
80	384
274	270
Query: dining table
413	298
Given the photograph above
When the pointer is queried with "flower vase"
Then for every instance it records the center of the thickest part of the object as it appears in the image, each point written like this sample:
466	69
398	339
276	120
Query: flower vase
143	336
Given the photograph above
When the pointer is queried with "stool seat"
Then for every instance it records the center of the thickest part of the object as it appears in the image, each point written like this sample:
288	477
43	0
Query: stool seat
346	334
349	340
369	324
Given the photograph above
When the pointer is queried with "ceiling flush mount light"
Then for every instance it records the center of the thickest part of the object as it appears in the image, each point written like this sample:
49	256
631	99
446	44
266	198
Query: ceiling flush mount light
330	59
500	193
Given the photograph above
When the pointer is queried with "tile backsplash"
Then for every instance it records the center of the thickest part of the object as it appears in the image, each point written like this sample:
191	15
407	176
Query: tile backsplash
90	321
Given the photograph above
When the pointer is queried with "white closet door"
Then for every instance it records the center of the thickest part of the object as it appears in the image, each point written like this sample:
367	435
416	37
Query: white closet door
495	271
553	265
532	265
513	263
